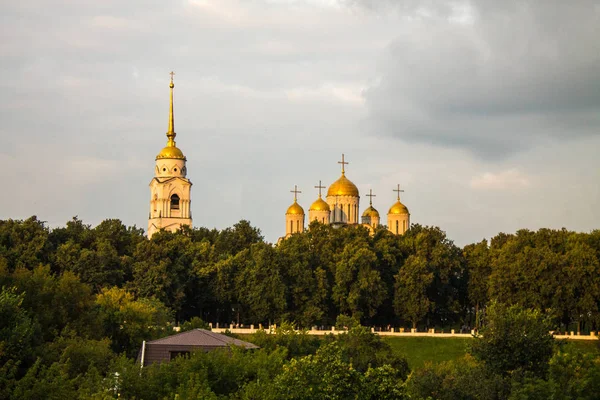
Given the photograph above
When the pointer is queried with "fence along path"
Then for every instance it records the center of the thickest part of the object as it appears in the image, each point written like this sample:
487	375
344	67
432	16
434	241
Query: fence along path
397	332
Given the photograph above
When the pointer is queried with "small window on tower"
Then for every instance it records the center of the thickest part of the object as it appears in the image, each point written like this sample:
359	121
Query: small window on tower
164	169
175	169
174	202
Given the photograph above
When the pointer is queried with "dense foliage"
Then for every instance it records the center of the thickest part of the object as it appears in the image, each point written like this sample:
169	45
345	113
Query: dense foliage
76	302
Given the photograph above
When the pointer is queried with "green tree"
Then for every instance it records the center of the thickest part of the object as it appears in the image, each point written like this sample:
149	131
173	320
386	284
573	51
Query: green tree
364	349
305	279
410	300
18	331
322	376
24	244
194	323
358	289
514	339
259	284
447	288
128	322
478	261
461	379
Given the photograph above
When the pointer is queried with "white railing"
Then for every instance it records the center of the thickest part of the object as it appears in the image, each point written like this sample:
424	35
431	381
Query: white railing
399	332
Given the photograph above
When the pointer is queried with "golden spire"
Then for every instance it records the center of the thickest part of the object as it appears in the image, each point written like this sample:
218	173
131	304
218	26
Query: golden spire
171	133
371	195
343	163
398	190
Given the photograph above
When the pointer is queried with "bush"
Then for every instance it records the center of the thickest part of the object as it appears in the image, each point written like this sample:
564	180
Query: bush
514	339
195	323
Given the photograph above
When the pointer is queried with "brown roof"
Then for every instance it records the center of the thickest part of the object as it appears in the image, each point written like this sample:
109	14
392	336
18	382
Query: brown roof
202	337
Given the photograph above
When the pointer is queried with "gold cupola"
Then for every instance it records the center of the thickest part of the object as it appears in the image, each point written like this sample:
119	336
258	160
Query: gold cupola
370	216
398	216
343	186
371	212
319	204
294	216
398	208
171	151
295	209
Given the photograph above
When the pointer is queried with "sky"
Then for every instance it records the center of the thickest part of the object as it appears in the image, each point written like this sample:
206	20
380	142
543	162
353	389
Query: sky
487	113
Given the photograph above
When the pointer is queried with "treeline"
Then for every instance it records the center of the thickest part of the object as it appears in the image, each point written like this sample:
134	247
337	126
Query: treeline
421	279
76	302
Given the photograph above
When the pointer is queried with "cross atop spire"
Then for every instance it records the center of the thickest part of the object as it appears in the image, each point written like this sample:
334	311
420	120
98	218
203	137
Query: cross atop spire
398	190
343	163
371	195
171	132
295	191
320	187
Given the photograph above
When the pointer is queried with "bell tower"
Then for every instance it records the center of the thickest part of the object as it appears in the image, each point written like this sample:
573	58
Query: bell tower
170	189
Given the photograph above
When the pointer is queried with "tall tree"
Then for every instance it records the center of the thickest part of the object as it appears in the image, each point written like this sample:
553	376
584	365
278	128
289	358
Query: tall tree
410	300
358	289
478	262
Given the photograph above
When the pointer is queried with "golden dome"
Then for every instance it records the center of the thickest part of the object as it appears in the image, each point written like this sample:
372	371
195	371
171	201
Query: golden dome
319	205
342	187
295	209
371	212
398	208
171	152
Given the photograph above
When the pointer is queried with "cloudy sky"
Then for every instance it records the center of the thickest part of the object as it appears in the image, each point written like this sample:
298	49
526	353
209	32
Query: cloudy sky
486	112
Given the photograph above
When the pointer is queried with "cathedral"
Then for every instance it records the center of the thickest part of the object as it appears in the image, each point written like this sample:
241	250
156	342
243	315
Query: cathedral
341	207
170	197
170	189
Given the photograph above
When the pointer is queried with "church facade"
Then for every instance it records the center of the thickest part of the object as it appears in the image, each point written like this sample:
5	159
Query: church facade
341	207
170	189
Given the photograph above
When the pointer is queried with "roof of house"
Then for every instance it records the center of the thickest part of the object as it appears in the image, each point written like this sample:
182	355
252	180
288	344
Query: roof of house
202	337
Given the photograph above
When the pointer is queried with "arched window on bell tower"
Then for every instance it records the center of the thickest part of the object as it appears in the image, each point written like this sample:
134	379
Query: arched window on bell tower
175	202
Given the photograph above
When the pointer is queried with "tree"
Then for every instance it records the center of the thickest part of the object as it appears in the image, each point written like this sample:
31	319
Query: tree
358	289
305	279
18	331
410	299
478	261
128	322
24	244
194	323
322	376
259	285
364	349
447	289
460	379
514	339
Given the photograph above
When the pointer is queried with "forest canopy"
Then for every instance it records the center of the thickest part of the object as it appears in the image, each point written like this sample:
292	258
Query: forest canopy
77	301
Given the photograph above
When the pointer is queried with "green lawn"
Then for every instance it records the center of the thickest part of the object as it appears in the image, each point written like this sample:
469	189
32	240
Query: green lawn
419	350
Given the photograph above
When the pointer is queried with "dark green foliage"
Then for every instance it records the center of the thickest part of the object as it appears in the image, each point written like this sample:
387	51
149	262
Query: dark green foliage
18	330
194	323
297	343
364	349
73	298
461	379
514	340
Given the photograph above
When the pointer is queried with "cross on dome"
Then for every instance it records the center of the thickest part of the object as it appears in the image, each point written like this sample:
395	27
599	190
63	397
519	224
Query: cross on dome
320	187
398	190
371	195
295	191
343	163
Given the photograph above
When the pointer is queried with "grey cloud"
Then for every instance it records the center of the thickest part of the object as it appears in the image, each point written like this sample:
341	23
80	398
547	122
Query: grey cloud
504	79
